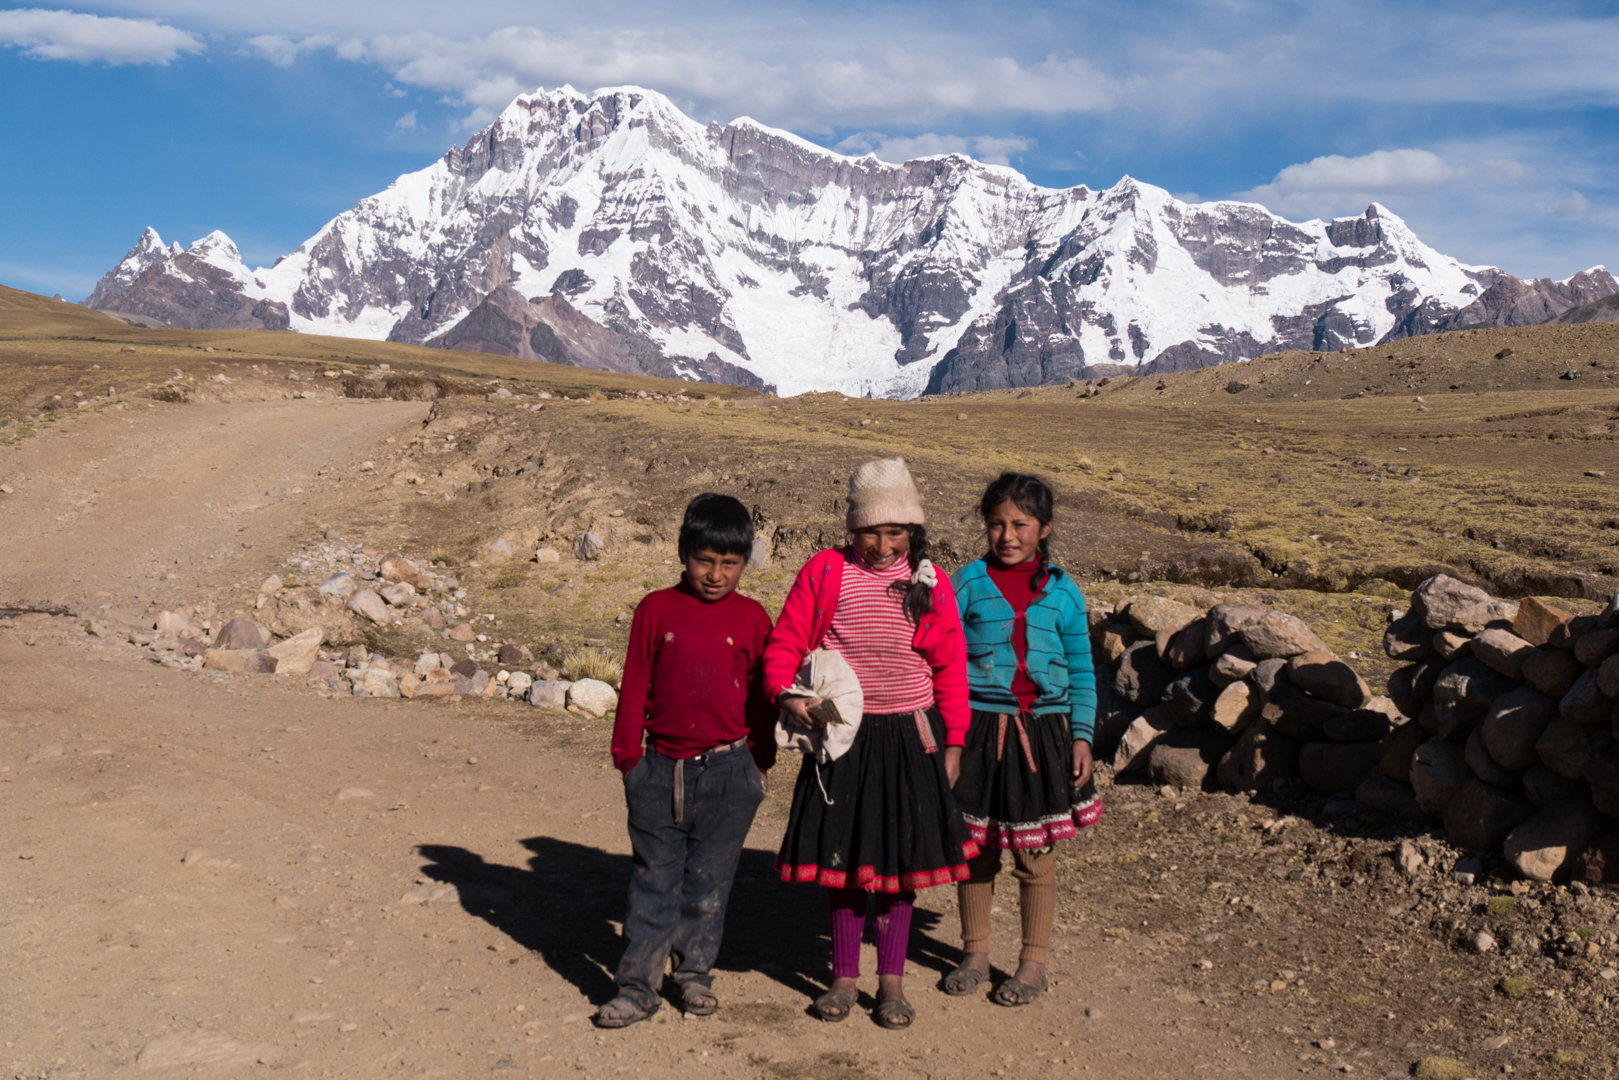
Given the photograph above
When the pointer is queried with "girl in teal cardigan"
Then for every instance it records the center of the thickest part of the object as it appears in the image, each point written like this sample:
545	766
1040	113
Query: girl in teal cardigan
1024	780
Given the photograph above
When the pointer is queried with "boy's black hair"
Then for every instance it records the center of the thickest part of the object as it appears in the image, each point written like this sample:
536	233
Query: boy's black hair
1031	495
717	523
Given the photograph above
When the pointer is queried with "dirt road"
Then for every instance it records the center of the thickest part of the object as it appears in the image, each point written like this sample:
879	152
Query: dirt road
227	876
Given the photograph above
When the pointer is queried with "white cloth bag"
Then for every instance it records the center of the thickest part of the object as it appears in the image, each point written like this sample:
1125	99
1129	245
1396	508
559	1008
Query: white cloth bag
824	674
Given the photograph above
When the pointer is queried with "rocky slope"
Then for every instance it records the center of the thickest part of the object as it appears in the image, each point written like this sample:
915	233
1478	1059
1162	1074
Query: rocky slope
742	253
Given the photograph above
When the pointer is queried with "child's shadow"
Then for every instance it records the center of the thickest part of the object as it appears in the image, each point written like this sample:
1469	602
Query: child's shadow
567	905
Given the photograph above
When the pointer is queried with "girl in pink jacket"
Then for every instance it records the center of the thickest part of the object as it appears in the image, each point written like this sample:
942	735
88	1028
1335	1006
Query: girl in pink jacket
880	818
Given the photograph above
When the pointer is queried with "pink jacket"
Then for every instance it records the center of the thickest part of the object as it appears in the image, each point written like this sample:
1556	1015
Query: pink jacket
806	616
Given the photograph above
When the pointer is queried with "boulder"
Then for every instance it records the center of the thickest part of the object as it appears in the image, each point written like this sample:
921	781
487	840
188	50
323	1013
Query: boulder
1502	651
588	546
518	684
1183	648
1261	757
1399	687
1438	770
1463	694
1186	759
1267	674
1407	639
175	625
592	697
1237	706
426	662
1543	785
1139	737
1223	625
297	654
270	584
1568	748
341	585
1598	864
1323	675
1191	698
1608	677
1361	725
292	611
1546	846
1399	747
1429	719
547	555
1293	712
1142	675
1514	723
1380	797
1150	614
1485	767
1596	646
512	655
1449	644
1585	703
239	661
549	693
1333	767
375	682
1536	621
1233	665
399	594
371	606
1116	638
465	667
1275	635
1478	817
397	568
1443	601
1602	773
498	550
1550	670
462	632
1569	633
240	633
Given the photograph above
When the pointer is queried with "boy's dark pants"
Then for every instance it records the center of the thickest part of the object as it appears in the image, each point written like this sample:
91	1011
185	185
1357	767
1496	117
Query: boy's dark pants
683	870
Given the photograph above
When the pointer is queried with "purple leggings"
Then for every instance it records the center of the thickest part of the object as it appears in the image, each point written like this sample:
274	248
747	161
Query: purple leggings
893	918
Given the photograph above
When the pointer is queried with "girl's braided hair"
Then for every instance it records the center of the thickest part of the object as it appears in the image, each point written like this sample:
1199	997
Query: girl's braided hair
1031	495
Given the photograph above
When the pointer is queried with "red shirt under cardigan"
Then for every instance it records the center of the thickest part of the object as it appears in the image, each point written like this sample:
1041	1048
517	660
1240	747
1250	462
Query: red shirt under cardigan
692	679
1017	586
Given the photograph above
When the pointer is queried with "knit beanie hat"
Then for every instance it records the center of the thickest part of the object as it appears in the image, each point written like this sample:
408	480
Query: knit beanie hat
882	493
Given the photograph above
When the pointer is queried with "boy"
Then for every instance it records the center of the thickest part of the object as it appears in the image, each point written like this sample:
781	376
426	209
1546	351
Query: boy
693	689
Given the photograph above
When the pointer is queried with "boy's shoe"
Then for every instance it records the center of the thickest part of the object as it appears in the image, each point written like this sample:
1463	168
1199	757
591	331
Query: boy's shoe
698	1000
621	1012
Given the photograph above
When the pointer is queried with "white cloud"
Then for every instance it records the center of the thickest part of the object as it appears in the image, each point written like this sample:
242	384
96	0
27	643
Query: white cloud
70	35
283	51
406	122
990	149
1337	184
1573	206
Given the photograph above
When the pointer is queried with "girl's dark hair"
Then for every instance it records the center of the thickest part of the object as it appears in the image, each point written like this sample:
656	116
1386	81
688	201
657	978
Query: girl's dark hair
918	597
717	523
1031	495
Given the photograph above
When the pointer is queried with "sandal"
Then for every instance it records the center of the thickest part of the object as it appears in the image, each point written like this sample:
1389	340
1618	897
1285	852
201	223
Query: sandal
895	1014
834	1006
698	1000
963	980
1013	992
621	1012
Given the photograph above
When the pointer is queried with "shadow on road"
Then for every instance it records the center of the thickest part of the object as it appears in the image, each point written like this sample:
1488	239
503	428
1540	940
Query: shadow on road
567	903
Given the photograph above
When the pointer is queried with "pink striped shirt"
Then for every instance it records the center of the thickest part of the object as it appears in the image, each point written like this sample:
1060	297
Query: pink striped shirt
870	630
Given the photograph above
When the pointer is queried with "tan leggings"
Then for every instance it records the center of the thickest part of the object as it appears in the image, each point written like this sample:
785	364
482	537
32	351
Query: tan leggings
1036	873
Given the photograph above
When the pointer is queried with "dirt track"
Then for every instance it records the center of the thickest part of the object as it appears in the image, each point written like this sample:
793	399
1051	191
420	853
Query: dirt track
225	876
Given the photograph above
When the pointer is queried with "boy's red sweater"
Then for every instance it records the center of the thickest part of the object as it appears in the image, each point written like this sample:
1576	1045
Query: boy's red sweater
693	678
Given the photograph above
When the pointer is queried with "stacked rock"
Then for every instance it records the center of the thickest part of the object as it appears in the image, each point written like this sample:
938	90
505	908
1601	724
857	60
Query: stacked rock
1512	744
1245	697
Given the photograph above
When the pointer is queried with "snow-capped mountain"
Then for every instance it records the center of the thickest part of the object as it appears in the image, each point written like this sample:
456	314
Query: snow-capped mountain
741	253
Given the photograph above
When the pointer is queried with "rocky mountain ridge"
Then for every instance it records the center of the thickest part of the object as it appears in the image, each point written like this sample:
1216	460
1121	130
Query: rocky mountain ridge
744	254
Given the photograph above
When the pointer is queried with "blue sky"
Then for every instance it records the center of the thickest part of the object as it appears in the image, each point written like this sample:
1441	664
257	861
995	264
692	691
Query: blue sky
1492	128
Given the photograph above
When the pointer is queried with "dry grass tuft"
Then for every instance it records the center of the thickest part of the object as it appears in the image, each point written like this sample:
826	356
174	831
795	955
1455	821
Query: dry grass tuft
593	664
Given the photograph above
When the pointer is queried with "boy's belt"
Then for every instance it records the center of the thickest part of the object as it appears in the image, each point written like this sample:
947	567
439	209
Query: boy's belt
701	759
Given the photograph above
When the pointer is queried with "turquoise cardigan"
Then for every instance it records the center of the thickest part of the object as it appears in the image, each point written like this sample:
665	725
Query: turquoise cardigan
1059	654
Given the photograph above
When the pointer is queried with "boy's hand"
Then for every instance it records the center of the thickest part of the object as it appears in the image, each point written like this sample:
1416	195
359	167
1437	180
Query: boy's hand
952	764
1082	762
799	709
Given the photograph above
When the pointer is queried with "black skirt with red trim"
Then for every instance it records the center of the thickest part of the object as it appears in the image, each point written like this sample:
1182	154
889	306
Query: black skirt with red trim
881	817
1015	786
